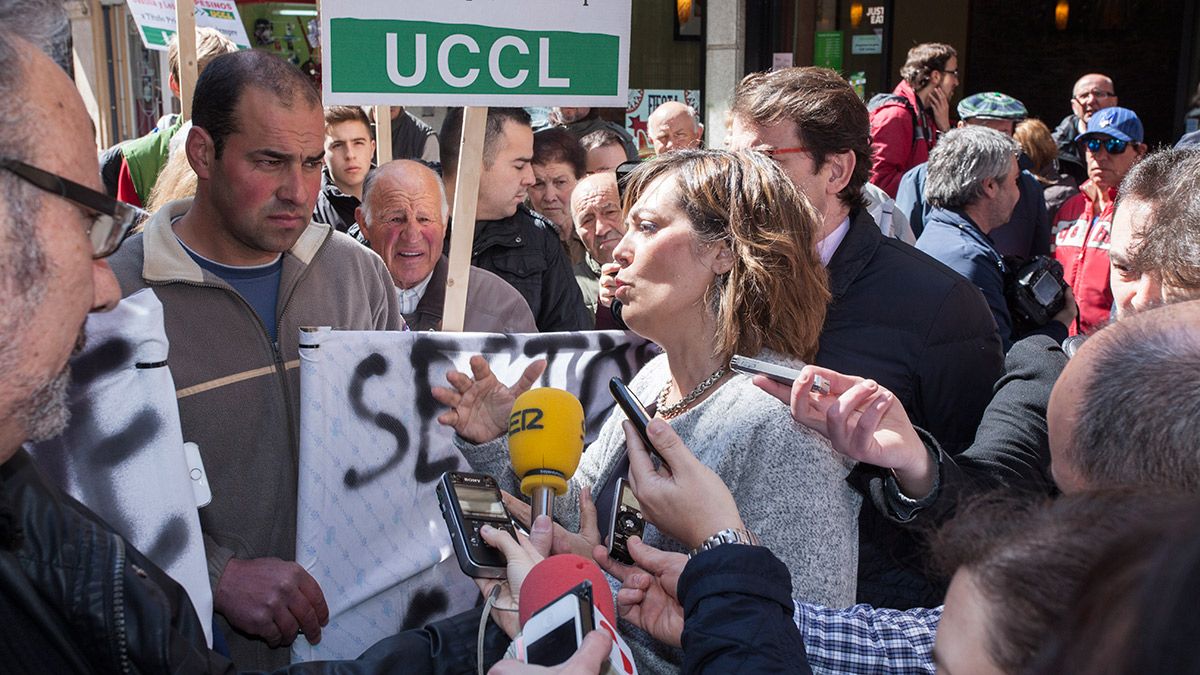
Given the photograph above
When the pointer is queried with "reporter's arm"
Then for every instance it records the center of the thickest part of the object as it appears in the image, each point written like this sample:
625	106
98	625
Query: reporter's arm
737	603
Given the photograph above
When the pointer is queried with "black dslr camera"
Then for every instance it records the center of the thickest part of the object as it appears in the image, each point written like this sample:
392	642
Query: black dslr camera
1036	292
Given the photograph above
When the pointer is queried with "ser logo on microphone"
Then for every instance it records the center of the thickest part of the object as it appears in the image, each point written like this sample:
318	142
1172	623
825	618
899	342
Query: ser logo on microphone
525	420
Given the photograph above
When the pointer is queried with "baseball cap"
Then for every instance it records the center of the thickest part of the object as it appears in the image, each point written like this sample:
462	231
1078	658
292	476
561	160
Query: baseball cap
991	105
1120	123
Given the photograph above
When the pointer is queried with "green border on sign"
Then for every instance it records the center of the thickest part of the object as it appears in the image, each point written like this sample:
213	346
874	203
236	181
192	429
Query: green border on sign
358	59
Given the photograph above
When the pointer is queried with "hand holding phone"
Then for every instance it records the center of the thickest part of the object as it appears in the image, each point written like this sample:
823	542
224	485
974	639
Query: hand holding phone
635	411
554	633
775	372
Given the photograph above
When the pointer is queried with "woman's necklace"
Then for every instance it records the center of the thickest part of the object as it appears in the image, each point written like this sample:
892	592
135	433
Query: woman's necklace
669	411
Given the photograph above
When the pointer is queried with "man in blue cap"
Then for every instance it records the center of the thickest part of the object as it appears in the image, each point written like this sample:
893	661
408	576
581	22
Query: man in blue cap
1027	232
1112	144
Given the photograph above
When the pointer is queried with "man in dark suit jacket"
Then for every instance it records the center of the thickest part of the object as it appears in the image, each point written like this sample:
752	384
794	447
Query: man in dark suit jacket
896	316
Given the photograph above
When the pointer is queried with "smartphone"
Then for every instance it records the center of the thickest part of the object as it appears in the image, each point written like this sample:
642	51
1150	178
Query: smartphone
468	502
626	521
554	633
775	372
635	411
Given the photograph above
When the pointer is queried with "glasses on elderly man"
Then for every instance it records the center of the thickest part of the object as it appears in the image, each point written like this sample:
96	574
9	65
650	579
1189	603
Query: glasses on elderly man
1097	94
110	219
1113	146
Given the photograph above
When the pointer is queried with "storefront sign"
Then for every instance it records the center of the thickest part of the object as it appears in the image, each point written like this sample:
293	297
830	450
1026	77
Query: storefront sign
827	49
866	44
475	52
642	102
155	20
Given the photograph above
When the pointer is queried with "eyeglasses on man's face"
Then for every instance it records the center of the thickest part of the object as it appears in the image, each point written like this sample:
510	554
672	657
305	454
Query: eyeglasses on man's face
1095	94
110	219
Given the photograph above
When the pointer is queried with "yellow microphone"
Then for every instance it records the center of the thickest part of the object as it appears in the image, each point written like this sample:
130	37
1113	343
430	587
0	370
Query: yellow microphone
545	440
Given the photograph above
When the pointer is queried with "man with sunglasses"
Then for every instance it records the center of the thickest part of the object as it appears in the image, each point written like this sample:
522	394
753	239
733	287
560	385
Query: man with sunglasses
1091	93
1111	145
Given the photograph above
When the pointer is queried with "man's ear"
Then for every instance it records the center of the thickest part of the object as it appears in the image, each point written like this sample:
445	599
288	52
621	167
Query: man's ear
991	187
173	84
841	169
360	217
201	152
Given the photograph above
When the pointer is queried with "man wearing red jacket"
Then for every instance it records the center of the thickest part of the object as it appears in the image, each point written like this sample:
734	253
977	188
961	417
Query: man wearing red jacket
1112	144
906	123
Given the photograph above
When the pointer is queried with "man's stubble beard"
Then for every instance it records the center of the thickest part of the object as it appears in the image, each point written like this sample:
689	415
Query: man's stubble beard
45	412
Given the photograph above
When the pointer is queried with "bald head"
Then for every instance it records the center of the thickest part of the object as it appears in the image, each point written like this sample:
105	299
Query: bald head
1126	410
403	216
1092	92
674	126
596	210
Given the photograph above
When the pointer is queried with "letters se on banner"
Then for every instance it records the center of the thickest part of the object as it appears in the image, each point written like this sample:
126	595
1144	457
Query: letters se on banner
476	52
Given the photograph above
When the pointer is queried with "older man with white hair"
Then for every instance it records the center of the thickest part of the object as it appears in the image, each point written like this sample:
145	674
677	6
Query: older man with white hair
973	188
403	219
674	126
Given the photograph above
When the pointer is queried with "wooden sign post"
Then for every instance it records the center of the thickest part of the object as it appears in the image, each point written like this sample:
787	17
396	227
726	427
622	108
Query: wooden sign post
185	21
383	134
462	237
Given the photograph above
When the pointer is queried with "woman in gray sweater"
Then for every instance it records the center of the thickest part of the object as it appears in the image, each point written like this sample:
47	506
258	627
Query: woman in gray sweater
719	258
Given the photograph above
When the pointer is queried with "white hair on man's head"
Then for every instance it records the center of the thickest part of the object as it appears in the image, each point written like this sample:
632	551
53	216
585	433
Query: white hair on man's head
962	160
401	165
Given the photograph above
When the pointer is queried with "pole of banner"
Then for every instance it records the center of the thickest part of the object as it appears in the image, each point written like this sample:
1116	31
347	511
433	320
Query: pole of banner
462	235
383	134
185	23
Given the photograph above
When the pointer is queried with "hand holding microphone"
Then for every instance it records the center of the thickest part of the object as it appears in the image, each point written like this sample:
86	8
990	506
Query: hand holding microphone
545	440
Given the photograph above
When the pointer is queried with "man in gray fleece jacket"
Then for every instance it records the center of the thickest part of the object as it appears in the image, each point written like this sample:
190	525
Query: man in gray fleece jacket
239	270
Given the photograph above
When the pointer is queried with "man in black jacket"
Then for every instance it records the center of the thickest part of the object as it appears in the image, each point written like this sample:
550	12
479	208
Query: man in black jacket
512	242
896	316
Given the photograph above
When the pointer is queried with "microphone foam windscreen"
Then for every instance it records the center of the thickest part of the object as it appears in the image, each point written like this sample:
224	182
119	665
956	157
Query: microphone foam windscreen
545	438
558	574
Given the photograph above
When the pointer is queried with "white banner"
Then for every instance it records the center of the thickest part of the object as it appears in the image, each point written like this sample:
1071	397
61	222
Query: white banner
122	455
156	21
371	450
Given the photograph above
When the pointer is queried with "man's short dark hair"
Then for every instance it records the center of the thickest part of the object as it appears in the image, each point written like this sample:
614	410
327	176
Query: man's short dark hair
600	138
559	145
1167	245
923	60
1137	421
336	114
829	117
451	134
220	87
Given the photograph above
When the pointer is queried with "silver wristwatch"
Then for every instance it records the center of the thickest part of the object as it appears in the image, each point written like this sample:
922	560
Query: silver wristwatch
727	536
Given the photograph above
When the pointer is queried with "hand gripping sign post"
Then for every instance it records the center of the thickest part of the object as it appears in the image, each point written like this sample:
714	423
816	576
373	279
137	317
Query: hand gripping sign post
474	53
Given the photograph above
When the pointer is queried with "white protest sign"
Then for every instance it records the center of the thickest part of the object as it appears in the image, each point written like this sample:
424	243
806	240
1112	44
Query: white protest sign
156	21
475	52
122	454
371	450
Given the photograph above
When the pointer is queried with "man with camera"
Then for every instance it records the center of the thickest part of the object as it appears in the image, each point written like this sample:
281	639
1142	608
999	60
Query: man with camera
972	187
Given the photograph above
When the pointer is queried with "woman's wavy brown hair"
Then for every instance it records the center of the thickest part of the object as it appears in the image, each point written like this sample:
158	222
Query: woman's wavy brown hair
775	295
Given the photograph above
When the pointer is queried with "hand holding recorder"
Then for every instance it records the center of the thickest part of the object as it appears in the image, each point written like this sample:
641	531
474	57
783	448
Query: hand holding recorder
862	420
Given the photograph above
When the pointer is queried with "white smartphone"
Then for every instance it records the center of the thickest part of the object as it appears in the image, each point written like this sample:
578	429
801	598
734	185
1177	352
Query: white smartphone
554	633
775	372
